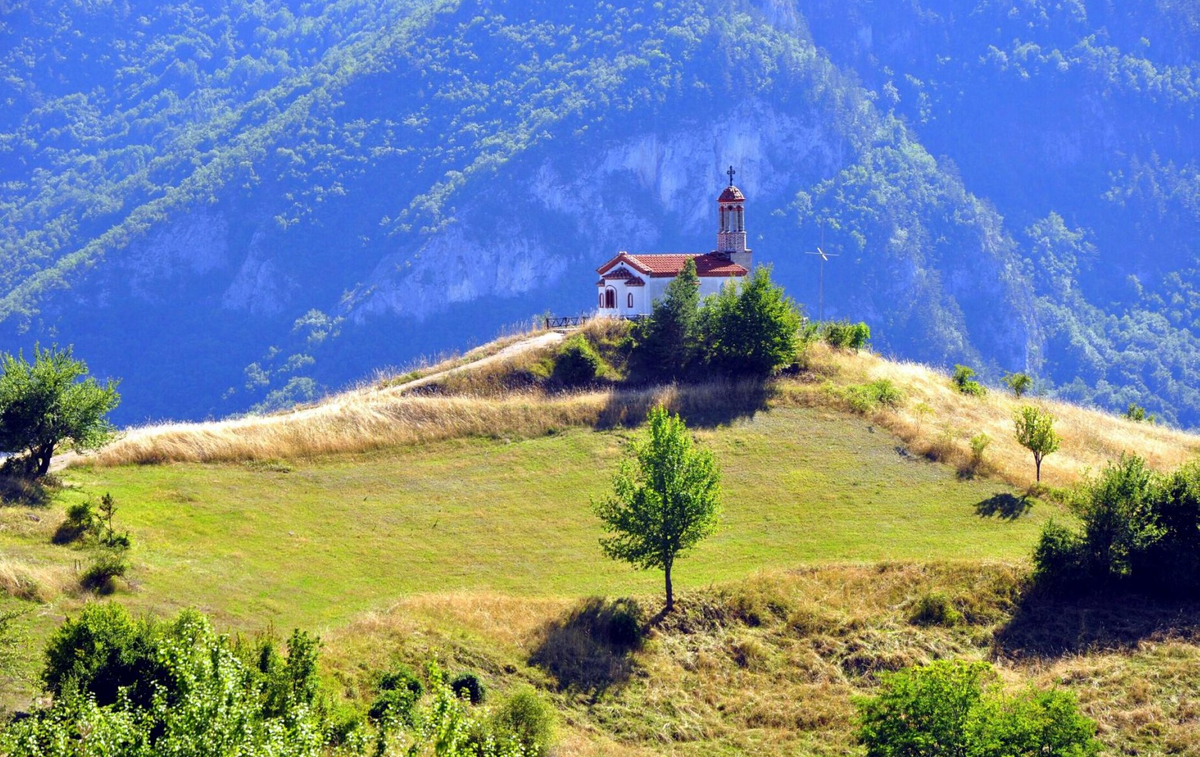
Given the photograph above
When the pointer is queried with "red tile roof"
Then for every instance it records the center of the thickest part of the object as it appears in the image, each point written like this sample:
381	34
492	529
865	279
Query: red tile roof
732	194
620	273
630	281
708	264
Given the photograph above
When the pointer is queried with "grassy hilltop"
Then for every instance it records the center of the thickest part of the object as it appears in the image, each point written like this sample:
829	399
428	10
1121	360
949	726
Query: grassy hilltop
446	513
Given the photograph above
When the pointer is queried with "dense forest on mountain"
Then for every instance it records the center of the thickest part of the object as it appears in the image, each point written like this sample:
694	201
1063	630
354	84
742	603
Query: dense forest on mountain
236	203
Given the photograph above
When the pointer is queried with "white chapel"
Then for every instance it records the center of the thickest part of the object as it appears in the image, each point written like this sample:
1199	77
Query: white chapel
629	284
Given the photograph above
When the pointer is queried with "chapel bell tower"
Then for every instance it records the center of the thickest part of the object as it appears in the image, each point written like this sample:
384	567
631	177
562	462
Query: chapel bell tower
731	235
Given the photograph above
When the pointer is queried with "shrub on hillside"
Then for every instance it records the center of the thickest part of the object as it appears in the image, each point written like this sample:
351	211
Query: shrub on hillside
1018	383
102	573
469	686
979	444
866	398
964	381
102	652
1058	559
88	522
626	624
1137	413
396	701
577	363
750	329
527	720
1139	530
954	709
151	687
81	521
846	335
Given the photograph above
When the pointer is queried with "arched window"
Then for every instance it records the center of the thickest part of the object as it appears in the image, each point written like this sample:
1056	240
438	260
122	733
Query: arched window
630	299
724	227
601	299
610	298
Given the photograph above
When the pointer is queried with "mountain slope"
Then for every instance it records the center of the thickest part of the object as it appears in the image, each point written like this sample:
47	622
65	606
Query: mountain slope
450	155
271	198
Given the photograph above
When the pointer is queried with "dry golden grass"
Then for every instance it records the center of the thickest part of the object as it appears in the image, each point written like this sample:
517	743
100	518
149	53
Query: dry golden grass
477	399
35	583
385	418
766	665
937	420
425	367
771	664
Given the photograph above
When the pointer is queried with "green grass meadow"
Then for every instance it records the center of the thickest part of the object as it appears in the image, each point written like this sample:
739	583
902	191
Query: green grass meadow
314	542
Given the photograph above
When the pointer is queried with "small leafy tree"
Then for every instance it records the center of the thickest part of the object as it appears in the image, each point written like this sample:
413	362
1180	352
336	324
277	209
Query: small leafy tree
1035	432
44	404
752	328
1019	383
964	381
979	445
666	345
1137	413
665	499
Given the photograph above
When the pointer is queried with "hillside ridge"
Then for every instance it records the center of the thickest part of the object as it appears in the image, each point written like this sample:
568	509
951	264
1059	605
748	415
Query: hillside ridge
932	418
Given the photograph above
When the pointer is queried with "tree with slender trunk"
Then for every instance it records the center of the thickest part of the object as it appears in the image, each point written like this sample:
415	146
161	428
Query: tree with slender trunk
665	500
44	404
1035	432
667	345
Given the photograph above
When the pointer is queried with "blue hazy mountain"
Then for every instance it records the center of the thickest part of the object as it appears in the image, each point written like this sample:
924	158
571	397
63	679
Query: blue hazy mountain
239	203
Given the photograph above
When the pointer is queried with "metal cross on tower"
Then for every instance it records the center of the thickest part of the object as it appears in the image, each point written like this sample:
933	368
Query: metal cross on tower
825	256
731	172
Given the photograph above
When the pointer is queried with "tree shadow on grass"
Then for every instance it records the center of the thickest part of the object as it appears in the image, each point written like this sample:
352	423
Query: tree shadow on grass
18	491
590	649
1045	626
705	405
1004	505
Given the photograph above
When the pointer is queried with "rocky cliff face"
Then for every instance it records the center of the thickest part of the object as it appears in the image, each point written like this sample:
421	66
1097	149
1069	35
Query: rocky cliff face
549	227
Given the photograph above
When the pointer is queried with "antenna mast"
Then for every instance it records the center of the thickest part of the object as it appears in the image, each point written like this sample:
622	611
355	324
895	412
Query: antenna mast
825	257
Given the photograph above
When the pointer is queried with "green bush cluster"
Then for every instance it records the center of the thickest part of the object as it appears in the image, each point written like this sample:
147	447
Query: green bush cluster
1137	413
979	444
748	330
526	722
844	335
964	381
92	526
955	709
144	687
469	686
577	363
396	701
871	396
1140	530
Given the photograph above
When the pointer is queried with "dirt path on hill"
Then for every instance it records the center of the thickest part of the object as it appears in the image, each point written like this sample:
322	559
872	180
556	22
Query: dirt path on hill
538	342
332	405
